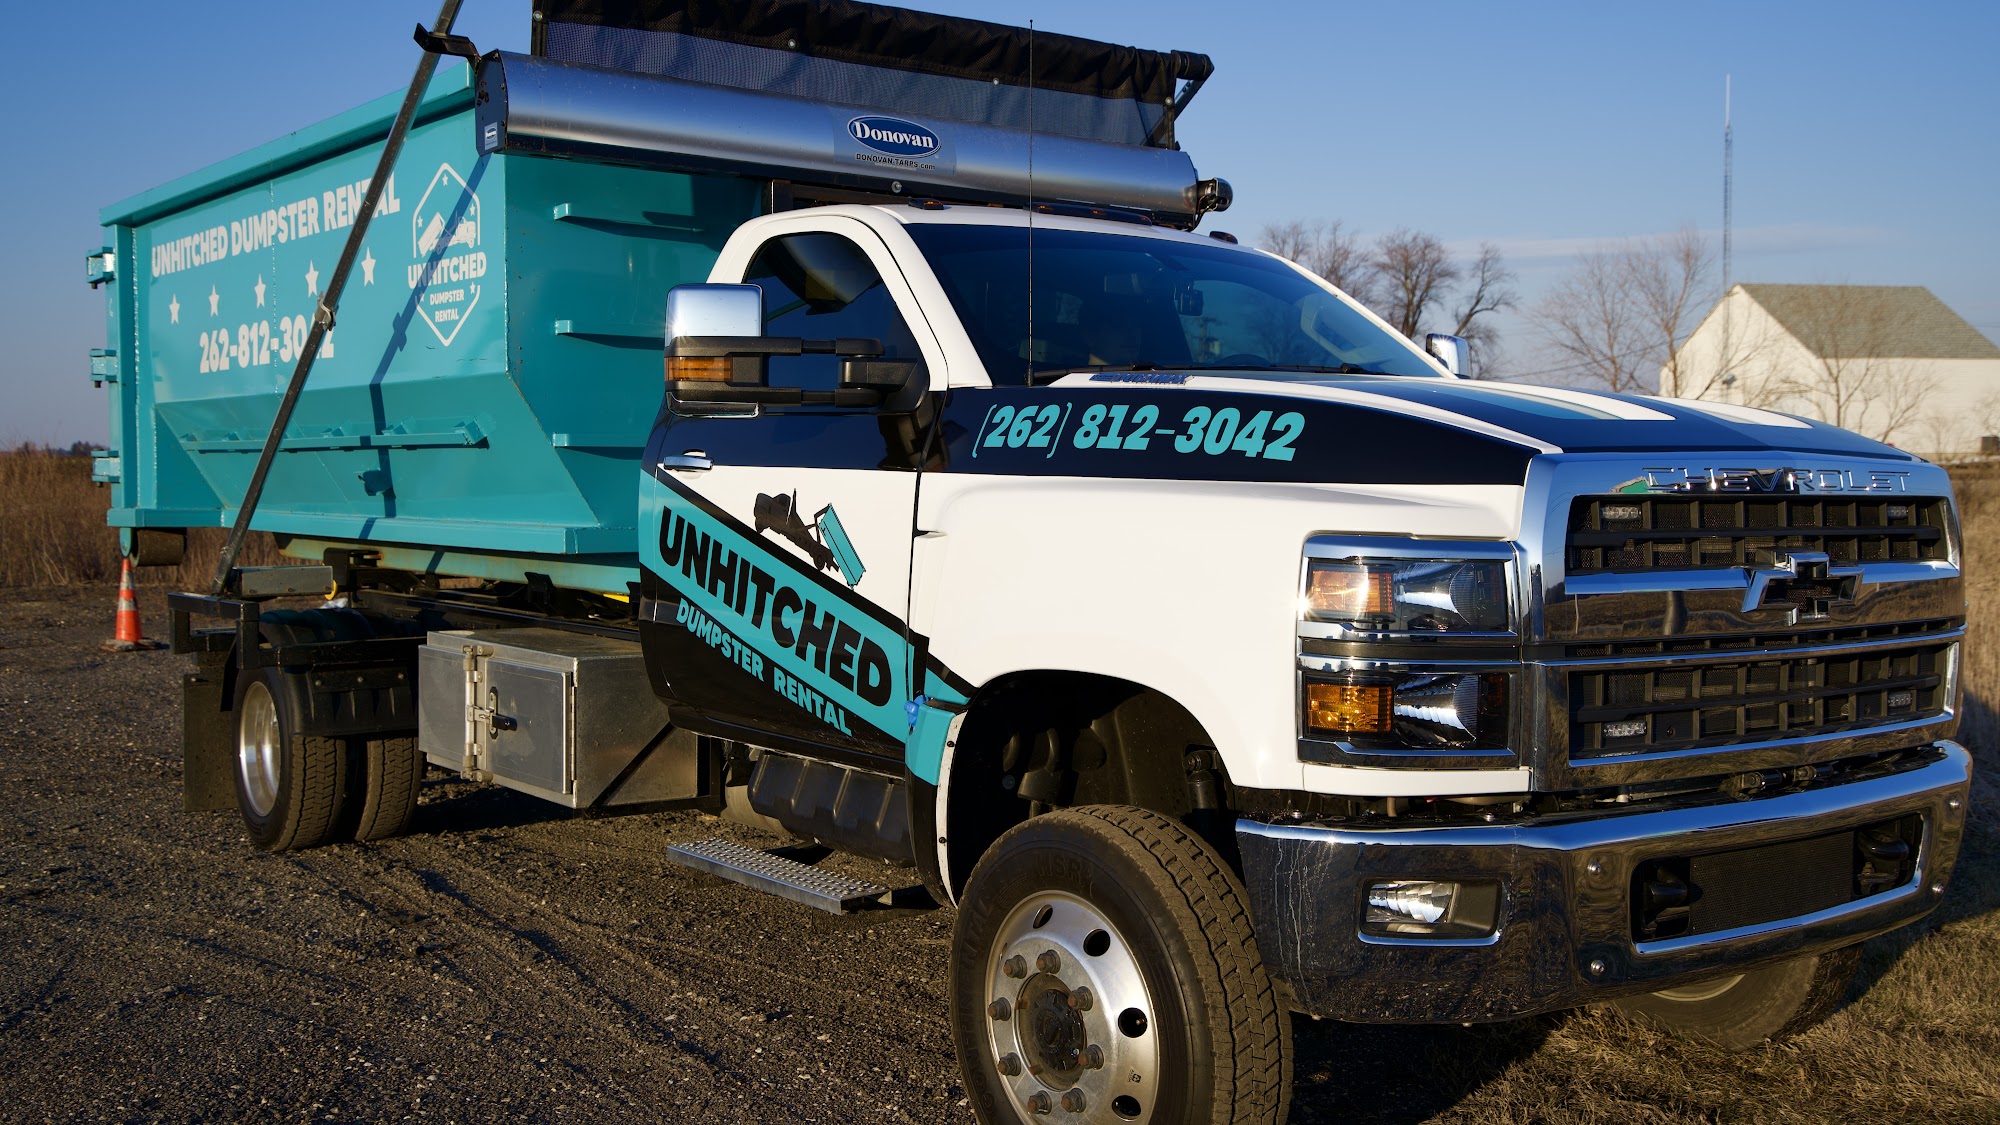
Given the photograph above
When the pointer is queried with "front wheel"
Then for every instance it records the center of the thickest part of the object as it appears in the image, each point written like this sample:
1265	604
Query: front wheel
1738	1012
1104	970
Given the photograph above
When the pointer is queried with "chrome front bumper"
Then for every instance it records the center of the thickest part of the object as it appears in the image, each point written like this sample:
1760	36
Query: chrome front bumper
1565	928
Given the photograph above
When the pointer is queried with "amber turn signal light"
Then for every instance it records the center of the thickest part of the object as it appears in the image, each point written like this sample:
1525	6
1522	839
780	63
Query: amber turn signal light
709	369
1349	708
1347	592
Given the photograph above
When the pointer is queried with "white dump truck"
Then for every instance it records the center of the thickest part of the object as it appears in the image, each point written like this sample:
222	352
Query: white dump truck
1216	651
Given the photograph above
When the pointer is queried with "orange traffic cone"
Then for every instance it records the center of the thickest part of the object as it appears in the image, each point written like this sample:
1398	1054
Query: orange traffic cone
129	637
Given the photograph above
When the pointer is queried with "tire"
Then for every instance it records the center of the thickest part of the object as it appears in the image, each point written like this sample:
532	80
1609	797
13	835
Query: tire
289	787
392	771
1180	1023
1739	1012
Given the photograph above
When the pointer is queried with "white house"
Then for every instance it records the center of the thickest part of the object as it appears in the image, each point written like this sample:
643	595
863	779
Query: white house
1891	361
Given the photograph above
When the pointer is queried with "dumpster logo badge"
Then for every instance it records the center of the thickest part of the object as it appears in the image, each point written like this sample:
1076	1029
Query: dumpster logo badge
444	234
824	540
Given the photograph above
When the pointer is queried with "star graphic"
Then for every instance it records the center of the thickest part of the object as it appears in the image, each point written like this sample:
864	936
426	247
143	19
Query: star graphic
312	280
174	309
368	267
260	290
214	300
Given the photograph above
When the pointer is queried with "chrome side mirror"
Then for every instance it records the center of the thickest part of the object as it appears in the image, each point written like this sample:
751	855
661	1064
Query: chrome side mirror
1452	351
714	310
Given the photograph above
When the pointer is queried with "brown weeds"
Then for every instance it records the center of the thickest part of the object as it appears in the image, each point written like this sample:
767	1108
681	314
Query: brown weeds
52	530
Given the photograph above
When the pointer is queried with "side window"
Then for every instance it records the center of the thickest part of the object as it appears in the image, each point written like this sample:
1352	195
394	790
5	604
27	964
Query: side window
821	286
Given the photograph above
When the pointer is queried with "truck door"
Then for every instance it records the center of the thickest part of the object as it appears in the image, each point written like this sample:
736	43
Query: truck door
776	547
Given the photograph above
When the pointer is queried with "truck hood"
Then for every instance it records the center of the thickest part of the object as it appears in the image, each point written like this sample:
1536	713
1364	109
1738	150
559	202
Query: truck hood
1555	419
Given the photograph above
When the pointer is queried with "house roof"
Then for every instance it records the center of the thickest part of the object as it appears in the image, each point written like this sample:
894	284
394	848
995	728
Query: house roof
1896	321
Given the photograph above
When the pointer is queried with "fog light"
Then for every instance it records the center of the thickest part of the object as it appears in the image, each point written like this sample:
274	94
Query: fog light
1410	902
1432	908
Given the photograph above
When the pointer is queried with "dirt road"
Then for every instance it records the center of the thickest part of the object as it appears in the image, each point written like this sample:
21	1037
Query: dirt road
509	962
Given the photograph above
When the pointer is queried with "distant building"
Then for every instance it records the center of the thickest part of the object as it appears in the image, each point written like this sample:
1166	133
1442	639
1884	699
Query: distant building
1889	361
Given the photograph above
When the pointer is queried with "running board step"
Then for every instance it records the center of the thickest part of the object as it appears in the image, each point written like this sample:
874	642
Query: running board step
775	874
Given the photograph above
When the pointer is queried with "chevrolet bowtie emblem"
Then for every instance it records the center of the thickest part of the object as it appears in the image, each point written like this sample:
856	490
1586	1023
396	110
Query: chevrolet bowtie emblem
1805	583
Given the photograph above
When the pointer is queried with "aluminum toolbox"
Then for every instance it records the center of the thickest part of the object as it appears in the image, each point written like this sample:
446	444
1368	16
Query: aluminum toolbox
566	716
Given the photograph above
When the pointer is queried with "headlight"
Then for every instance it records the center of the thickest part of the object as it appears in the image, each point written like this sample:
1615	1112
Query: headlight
1419	596
1415	710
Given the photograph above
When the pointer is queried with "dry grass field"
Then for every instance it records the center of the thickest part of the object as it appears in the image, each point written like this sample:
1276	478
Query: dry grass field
486	962
52	530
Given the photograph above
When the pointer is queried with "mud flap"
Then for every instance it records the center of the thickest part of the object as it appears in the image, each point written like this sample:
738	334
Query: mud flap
208	729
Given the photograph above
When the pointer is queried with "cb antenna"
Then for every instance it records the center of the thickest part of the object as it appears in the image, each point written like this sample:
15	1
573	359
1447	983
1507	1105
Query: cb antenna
1031	202
1728	186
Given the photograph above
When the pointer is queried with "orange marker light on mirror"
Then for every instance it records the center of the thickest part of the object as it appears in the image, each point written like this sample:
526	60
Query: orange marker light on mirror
710	369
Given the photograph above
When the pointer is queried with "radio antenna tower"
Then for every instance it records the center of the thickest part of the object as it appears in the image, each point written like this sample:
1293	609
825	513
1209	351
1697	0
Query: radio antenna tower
1728	176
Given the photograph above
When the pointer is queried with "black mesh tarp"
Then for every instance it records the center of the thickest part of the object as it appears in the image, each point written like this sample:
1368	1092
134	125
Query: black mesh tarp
882	58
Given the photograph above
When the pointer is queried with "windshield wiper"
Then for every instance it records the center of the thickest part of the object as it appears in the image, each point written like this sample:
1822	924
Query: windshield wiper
1088	369
1343	369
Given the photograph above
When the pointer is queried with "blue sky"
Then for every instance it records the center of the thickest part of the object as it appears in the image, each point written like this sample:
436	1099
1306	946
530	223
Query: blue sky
1867	135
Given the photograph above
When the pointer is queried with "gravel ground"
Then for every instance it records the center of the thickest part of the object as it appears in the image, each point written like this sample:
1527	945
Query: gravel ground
510	962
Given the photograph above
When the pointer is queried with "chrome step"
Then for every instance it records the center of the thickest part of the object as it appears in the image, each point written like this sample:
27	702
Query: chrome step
774	874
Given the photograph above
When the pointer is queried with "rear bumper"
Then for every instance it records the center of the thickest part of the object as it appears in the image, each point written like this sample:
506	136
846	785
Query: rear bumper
1565	934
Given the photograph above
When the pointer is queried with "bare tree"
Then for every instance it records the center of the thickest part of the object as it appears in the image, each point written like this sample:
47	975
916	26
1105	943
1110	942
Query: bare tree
1408	277
1325	249
1986	412
1845	378
1412	272
1939	429
1492	289
1627	312
1594	319
1669	278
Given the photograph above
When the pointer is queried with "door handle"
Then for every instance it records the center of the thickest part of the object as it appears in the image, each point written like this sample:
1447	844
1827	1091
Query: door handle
692	460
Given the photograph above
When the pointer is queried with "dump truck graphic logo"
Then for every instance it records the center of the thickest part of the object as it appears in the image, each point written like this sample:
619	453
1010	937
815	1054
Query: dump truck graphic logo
444	240
824	541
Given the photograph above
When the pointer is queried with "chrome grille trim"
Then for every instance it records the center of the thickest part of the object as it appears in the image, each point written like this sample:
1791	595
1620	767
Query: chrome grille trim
1731	530
1716	704
1624	607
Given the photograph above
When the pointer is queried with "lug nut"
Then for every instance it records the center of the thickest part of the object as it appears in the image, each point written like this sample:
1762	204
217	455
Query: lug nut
1073	1101
1000	1009
1049	962
1092	1057
1009	1065
1015	966
1597	968
1038	1102
1081	999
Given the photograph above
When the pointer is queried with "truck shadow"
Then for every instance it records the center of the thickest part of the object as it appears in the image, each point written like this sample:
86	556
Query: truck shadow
451	806
1396	1075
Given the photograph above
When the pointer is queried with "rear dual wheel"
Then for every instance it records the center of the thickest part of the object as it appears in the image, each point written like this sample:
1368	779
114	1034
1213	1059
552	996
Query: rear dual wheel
1103	971
290	787
300	791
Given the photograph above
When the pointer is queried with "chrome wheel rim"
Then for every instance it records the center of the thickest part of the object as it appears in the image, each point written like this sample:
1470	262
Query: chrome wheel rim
257	748
1704	990
1070	1027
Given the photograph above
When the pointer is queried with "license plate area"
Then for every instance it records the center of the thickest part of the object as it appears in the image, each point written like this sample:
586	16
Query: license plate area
1687	896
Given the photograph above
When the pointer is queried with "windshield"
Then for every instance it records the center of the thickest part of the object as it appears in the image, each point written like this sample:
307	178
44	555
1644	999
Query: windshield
1107	301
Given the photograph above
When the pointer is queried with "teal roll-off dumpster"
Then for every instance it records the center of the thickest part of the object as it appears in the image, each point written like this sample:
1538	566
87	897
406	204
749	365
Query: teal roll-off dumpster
494	373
